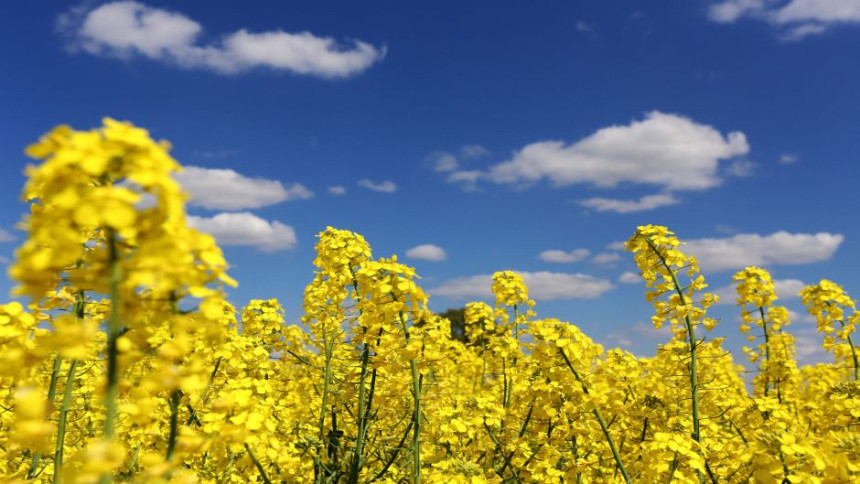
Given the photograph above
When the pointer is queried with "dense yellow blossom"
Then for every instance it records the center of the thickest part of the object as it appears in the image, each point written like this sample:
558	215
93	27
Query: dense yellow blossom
128	364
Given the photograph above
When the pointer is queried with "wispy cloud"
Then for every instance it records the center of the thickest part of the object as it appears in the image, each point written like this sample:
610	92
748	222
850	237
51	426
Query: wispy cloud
385	186
793	19
246	229
6	236
337	190
128	29
224	189
664	150
542	285
780	248
647	202
667	151
427	252
564	257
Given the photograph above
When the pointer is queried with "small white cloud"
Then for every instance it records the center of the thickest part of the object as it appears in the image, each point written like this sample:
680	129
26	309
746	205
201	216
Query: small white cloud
780	248
337	190
442	161
386	186
543	286
793	19
786	290
741	168
606	258
807	343
214	154
5	260
630	278
427	252
648	202
470	176
474	151
246	229
728	11
618	245
626	336
803	317
5	236
562	257
583	26
127	29
788	158
665	150
222	189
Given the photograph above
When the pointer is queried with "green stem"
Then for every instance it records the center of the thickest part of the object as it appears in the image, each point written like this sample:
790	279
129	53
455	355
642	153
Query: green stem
853	356
61	424
599	418
691	335
259	466
393	454
80	305
766	350
416	415
329	350
174	424
52	393
856	360
114	330
355	467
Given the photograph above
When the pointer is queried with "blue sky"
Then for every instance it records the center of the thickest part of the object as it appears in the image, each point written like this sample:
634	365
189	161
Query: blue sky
479	134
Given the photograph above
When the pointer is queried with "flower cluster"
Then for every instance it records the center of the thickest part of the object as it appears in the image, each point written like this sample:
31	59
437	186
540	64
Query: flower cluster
128	364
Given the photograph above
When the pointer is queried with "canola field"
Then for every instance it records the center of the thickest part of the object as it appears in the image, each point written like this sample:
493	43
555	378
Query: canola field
124	362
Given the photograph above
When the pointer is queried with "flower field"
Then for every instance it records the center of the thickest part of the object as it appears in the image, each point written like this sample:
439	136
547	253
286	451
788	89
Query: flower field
125	362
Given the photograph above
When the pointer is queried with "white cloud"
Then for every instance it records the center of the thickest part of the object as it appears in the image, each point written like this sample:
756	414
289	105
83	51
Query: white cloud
803	317
786	289
807	343
427	252
474	151
214	154
452	165
794	19
543	286
626	336
223	189
729	11
583	26
337	190
803	31
788	158
5	260
246	229
471	176
127	29
727	294
562	257
617	245
665	150
647	202
5	236
606	258
630	278
780	248
741	168
386	186
442	161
